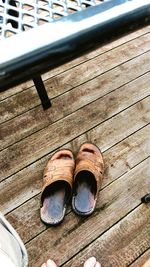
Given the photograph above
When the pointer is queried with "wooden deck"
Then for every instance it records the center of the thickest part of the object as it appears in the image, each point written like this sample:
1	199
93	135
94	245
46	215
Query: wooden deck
103	97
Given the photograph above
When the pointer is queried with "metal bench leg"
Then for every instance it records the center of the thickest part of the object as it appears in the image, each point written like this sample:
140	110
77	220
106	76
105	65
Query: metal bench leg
46	103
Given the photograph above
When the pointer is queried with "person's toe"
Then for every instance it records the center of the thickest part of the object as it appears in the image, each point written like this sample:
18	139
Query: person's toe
147	263
97	264
90	262
43	265
50	263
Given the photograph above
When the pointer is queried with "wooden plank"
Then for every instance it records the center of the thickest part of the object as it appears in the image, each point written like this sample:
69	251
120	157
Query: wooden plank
141	260
114	202
60	84
118	161
121	244
36	119
25	152
82	59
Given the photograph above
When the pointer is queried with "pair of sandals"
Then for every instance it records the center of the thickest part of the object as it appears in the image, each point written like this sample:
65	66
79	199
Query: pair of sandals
65	177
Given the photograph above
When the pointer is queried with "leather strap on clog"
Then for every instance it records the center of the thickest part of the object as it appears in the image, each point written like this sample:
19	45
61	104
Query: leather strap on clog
59	168
89	158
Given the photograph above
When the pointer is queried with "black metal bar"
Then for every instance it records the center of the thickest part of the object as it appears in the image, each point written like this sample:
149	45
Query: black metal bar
12	13
79	33
46	103
41	90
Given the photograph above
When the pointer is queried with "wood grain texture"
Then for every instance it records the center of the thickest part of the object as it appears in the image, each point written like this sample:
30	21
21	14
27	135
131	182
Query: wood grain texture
23	153
122	243
114	202
118	160
141	260
60	84
36	119
73	63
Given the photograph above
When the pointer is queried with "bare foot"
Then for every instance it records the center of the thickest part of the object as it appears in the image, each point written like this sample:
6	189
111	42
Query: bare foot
91	262
147	264
49	263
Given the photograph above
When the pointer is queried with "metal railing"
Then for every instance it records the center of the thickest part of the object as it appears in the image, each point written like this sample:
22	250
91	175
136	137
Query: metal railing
46	33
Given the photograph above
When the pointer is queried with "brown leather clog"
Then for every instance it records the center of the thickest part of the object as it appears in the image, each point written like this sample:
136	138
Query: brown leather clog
57	187
87	179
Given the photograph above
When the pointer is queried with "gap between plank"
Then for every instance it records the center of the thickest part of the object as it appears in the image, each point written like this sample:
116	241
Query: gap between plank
57	120
73	138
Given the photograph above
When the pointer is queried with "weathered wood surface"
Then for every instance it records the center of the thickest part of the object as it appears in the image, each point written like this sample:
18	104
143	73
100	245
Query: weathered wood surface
46	140
36	119
141	260
122	243
102	97
21	184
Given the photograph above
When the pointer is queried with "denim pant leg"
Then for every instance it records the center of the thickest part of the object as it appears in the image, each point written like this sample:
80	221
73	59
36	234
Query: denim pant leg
11	246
